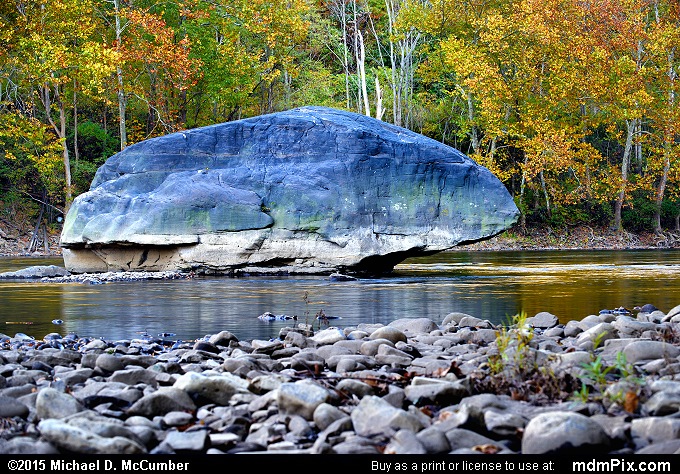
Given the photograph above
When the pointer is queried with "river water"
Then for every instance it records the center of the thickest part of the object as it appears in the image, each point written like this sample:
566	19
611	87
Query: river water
489	285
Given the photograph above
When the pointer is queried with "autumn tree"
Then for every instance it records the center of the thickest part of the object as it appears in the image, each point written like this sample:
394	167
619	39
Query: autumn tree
664	113
55	49
155	68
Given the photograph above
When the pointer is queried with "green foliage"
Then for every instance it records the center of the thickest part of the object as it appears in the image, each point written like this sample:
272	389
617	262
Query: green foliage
569	214
515	369
639	215
82	176
595	372
29	155
513	342
669	210
597	379
95	145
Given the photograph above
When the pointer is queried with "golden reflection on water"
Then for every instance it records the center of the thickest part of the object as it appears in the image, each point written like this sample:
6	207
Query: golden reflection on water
570	285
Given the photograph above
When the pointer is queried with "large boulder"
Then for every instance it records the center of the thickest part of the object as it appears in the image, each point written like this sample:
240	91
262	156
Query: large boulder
310	190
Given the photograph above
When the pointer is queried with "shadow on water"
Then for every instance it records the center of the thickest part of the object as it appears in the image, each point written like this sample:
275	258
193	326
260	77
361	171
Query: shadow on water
489	285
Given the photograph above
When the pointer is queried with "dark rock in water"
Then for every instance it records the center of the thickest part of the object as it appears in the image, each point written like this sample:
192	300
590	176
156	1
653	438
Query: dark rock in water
310	190
341	277
267	316
37	271
646	308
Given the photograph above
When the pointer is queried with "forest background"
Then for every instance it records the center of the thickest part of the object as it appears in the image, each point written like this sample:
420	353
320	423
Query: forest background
571	103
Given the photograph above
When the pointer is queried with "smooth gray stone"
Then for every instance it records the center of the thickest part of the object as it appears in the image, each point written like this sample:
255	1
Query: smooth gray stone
665	447
662	404
411	326
433	440
543	320
301	398
134	376
423	391
652	430
101	425
109	362
76	440
460	438
357	445
187	440
215	388
26	445
374	416
177	418
647	350
355	387
325	414
405	442
556	432
51	403
36	272
309	190
10	407
162	401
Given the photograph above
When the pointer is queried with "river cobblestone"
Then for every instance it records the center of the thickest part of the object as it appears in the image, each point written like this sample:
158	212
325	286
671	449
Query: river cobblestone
607	383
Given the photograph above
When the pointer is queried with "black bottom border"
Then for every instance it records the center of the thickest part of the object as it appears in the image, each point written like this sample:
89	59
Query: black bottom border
564	463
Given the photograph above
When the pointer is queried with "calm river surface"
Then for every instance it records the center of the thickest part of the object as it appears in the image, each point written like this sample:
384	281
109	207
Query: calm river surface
489	285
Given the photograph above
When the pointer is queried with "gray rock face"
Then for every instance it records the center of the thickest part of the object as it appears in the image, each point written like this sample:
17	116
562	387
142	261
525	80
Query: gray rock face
36	272
77	440
555	432
310	190
51	403
218	388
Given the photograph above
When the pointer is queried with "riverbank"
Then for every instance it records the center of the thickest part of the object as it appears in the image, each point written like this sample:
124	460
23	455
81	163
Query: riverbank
605	384
574	238
15	242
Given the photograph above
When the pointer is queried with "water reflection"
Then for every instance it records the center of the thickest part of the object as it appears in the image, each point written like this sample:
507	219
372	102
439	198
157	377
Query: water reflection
490	285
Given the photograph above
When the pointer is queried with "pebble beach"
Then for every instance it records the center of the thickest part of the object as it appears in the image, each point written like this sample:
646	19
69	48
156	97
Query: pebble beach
608	383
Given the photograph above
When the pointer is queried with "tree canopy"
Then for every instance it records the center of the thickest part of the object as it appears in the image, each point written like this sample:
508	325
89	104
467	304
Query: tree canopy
571	103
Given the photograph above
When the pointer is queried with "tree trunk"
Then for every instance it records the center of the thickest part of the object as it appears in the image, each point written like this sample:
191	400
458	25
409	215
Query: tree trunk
340	7
67	162
379	111
122	101
631	127
474	135
669	135
401	63
60	130
661	188
396	91
361	70
522	187
545	193
75	124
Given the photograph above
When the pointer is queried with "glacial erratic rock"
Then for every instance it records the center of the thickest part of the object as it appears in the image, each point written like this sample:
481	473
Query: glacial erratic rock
310	190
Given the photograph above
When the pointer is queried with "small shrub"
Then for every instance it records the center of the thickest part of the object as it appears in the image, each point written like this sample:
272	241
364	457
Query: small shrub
514	367
598	379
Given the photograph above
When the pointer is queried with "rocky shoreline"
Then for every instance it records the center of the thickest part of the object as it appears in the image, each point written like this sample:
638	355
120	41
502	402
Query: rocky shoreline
608	383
